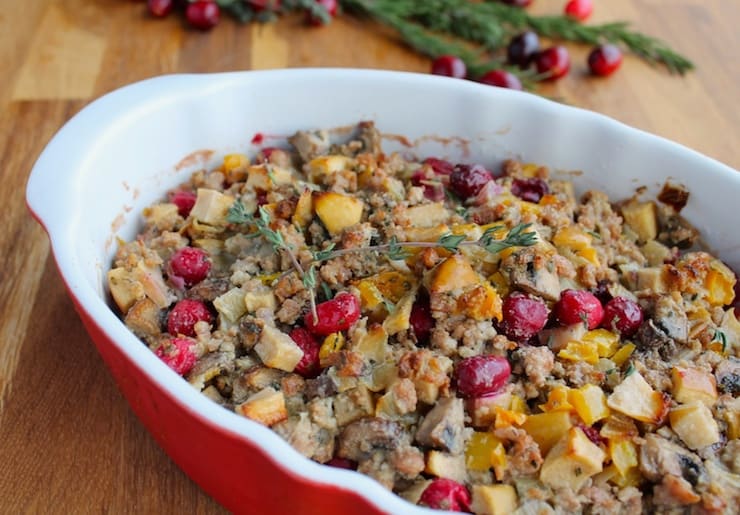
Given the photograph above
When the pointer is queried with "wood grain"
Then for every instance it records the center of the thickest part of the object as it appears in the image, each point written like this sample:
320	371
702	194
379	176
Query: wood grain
68	441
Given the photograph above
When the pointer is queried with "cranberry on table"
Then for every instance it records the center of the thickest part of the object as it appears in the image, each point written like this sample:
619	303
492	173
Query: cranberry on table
446	494
308	366
523	48
337	314
522	316
449	66
579	306
554	62
467	180
160	8
622	315
203	14
184	200
501	79
177	354
189	265
531	189
331	7
604	60
579	9
184	316
421	319
479	376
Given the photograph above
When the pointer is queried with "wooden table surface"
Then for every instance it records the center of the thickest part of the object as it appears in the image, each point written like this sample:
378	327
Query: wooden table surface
68	441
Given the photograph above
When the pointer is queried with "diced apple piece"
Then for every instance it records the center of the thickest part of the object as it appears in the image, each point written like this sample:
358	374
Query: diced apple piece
327	165
124	288
450	466
426	215
494	499
303	213
548	428
692	384
651	278
730	327
211	207
231	305
558	337
642	218
400	318
144	318
266	176
454	273
399	399
278	350
694	424
266	407
153	283
482	410
656	253
635	398
353	404
572	461
590	403
373	346
623	454
337	211
254	300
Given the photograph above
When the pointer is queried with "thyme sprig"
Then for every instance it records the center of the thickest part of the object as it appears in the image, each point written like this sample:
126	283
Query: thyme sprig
238	214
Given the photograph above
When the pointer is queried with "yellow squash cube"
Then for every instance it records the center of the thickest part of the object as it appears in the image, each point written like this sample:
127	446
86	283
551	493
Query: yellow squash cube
548	428
454	273
623	454
589	402
337	211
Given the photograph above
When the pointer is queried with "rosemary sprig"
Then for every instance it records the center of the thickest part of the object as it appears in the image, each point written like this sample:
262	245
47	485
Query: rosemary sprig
238	215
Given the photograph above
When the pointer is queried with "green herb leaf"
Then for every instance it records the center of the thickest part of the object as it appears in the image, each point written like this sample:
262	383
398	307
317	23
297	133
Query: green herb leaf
237	213
309	278
516	238
323	255
450	241
720	336
395	251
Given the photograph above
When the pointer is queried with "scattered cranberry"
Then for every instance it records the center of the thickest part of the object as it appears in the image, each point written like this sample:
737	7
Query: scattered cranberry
433	188
258	138
592	434
449	66
467	180
265	5
446	494
577	306
342	463
203	14
479	376
189	265
440	166
184	200
501	79
185	315
622	315
331	8
554	61
337	314
604	60
579	9
160	8
421	319
518	3
530	190
308	366
267	152
177	354
523	48
523	316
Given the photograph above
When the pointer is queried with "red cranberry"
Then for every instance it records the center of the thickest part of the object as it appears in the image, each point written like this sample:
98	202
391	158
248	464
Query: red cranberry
257	139
160	8
446	494
523	48
177	354
308	366
184	200
577	306
342	463
501	79
523	316
185	315
189	266
267	152
467	180
604	60
554	61
421	320
331	8
433	188
440	166
203	14
479	376
579	9
449	66
592	434
530	190
337	314
518	3
265	5
622	315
